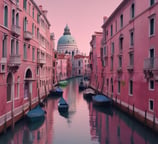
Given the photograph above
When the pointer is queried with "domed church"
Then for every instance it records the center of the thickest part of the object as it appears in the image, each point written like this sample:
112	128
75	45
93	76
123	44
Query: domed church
67	44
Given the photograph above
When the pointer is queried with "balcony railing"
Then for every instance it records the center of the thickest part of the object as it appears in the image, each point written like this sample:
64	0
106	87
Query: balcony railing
14	62
27	35
151	64
41	61
130	68
16	30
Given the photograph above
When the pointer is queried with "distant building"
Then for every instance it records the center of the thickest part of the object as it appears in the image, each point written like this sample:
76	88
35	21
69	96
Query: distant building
77	64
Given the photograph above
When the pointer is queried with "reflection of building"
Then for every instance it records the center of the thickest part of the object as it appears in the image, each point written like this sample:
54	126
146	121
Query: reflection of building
25	58
129	58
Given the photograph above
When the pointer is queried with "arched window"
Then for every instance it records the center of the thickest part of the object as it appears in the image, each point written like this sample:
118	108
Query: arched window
17	19
9	86
25	4
25	24
6	16
13	17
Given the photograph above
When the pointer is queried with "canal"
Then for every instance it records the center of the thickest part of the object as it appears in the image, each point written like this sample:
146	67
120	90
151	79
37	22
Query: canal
84	124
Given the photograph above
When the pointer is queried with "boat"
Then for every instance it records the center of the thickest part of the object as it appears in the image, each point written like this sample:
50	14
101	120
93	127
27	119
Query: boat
34	126
63	83
35	114
88	93
56	92
63	105
101	100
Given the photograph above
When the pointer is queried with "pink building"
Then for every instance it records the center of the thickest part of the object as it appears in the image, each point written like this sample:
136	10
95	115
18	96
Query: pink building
25	66
63	67
81	65
95	61
129	58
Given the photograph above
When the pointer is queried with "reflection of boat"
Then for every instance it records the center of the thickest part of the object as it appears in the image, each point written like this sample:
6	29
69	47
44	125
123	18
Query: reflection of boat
101	100
88	93
56	92
108	110
63	83
62	105
35	114
36	125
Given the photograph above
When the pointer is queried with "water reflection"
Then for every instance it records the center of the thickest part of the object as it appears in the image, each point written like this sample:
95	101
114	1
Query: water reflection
84	123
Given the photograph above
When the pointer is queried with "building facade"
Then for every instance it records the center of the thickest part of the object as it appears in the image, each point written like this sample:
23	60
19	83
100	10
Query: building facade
129	58
25	66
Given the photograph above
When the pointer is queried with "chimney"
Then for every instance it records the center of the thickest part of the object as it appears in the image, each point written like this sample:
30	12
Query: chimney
104	19
45	12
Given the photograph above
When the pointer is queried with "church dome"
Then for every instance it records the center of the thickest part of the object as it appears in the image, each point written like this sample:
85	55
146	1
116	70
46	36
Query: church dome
66	43
66	38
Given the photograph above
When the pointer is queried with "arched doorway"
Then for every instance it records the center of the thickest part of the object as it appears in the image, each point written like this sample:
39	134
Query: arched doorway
9	86
28	84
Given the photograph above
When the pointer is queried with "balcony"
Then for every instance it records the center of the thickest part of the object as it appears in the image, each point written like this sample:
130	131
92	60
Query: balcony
15	30
14	62
27	35
41	61
151	67
119	70
130	68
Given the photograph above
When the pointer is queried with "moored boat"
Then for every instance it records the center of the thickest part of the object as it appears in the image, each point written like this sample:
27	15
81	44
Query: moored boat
101	100
63	105
35	114
88	93
63	83
82	86
56	92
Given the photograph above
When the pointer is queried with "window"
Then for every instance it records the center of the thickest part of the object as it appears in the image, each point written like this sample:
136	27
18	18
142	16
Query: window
17	47
105	51
131	87
33	29
116	26
4	46
25	24
25	4
111	30
119	86
151	105
6	16
152	2
151	85
112	48
120	61
132	11
152	26
12	47
112	63
121	43
79	63
18	87
121	21
38	18
131	59
33	54
13	17
25	52
17	19
131	38
33	13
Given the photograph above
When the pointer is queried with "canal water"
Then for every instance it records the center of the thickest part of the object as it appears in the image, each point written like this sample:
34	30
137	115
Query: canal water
84	124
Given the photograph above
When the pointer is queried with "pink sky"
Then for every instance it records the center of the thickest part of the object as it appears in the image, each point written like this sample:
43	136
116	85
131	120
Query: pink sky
83	17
